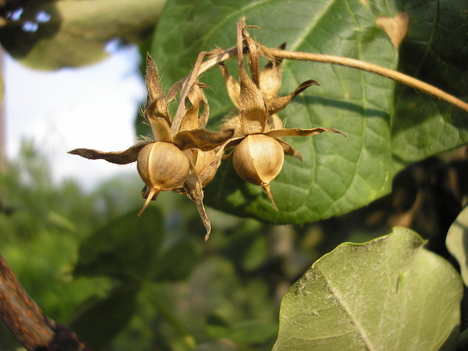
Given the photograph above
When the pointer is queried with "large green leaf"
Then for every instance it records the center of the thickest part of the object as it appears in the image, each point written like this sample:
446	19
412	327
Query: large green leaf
73	33
337	174
387	294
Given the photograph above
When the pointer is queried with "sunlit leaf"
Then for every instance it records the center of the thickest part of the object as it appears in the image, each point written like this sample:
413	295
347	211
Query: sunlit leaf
385	131
387	294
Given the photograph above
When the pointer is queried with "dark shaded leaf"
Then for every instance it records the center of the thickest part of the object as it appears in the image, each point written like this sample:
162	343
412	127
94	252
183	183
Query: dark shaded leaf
99	324
125	249
177	262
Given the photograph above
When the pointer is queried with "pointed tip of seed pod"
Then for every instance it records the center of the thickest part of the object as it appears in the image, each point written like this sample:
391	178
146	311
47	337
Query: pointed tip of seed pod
207	235
266	187
153	192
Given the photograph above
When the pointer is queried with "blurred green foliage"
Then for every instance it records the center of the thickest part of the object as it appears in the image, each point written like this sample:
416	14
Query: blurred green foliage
173	297
90	262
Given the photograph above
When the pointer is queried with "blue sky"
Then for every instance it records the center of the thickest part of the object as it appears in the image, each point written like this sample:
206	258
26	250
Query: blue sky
92	107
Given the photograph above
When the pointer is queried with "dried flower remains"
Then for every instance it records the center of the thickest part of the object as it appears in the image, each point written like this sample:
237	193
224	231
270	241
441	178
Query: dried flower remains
259	151
183	156
180	157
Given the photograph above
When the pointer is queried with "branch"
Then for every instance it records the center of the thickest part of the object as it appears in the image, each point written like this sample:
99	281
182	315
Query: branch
348	62
31	327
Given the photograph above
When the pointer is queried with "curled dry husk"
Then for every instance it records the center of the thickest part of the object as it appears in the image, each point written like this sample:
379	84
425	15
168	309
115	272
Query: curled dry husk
258	148
181	156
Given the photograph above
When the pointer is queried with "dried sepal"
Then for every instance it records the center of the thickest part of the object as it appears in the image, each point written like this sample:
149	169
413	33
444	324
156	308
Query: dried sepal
118	157
289	150
181	157
252	108
277	104
197	98
156	104
159	125
297	132
271	76
201	138
232	85
175	89
194	191
186	87
204	168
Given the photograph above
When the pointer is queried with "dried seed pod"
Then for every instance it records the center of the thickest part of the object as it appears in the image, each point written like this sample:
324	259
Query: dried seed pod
258	159
162	166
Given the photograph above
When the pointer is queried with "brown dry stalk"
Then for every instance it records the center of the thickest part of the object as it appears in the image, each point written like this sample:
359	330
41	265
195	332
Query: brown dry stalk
31	327
347	62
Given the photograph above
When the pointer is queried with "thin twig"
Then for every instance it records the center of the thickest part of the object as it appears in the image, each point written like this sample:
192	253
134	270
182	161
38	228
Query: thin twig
348	62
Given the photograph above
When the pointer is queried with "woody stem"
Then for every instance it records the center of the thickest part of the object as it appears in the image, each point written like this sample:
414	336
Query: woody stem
348	62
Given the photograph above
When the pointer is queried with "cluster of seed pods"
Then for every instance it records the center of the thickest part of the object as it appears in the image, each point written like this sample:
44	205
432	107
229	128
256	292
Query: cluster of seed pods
183	156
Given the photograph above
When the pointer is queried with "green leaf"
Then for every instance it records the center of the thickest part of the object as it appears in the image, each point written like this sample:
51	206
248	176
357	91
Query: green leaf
337	174
457	242
100	323
387	294
177	262
125	249
433	52
77	31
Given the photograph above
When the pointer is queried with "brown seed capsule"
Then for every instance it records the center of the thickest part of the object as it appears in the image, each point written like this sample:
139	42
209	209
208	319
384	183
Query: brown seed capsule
258	159
162	166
